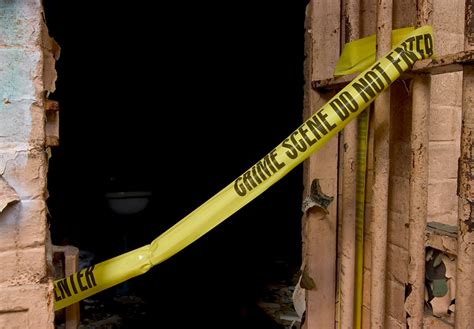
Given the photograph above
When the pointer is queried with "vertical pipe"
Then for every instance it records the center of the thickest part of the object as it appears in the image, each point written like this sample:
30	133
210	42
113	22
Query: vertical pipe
419	145
464	271
418	200
351	26
381	176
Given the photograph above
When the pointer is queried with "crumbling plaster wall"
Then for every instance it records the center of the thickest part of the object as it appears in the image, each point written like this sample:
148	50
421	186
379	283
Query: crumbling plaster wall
26	72
404	14
445	123
444	150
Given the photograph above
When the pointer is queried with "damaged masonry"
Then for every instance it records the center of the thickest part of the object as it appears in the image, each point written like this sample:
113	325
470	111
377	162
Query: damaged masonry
111	220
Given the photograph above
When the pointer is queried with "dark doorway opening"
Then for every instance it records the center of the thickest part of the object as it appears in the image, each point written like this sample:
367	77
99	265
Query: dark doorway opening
179	98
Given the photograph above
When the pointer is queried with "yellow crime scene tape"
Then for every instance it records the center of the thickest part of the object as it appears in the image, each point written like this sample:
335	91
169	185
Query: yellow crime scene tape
309	137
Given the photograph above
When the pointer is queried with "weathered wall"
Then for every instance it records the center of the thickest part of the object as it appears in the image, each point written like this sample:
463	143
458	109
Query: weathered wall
445	115
404	14
25	290
445	122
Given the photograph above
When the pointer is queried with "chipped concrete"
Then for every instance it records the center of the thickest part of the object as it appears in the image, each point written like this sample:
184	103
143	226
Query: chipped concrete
26	71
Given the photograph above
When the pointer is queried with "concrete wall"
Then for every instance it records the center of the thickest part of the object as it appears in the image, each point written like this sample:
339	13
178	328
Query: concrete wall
25	288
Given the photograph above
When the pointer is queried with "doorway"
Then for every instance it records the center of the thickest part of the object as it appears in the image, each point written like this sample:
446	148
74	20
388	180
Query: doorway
178	99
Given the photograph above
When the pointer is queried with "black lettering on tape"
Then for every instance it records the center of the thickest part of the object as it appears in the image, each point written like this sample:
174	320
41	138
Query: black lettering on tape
339	108
374	81
248	179
64	288
262	170
268	163
79	275
408	57
292	153
395	62
56	296
428	44
418	46
239	187
89	273
316	127
410	42
349	101
303	132
382	72
73	285
364	89
299	146
277	164
322	116
256	175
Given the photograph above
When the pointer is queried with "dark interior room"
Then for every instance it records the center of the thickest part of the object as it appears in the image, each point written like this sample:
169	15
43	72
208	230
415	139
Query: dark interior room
177	99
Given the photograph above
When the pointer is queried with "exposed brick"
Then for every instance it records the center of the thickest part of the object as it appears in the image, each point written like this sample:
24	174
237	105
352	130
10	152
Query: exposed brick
23	266
446	89
23	225
447	43
443	201
449	16
396	300
445	122
24	307
443	160
25	292
27	174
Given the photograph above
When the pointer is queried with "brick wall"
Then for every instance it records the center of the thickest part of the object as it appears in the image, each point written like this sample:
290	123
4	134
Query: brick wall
445	115
25	289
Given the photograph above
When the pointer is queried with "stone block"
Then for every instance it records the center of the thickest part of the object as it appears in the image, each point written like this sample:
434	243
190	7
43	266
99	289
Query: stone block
445	122
23	225
23	266
443	201
26	307
443	160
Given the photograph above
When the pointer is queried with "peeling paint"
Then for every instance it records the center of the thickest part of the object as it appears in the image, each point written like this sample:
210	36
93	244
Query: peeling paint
7	194
317	198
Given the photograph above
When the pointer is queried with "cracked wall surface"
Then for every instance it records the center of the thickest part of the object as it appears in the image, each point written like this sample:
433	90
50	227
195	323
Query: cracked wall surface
445	125
25	287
